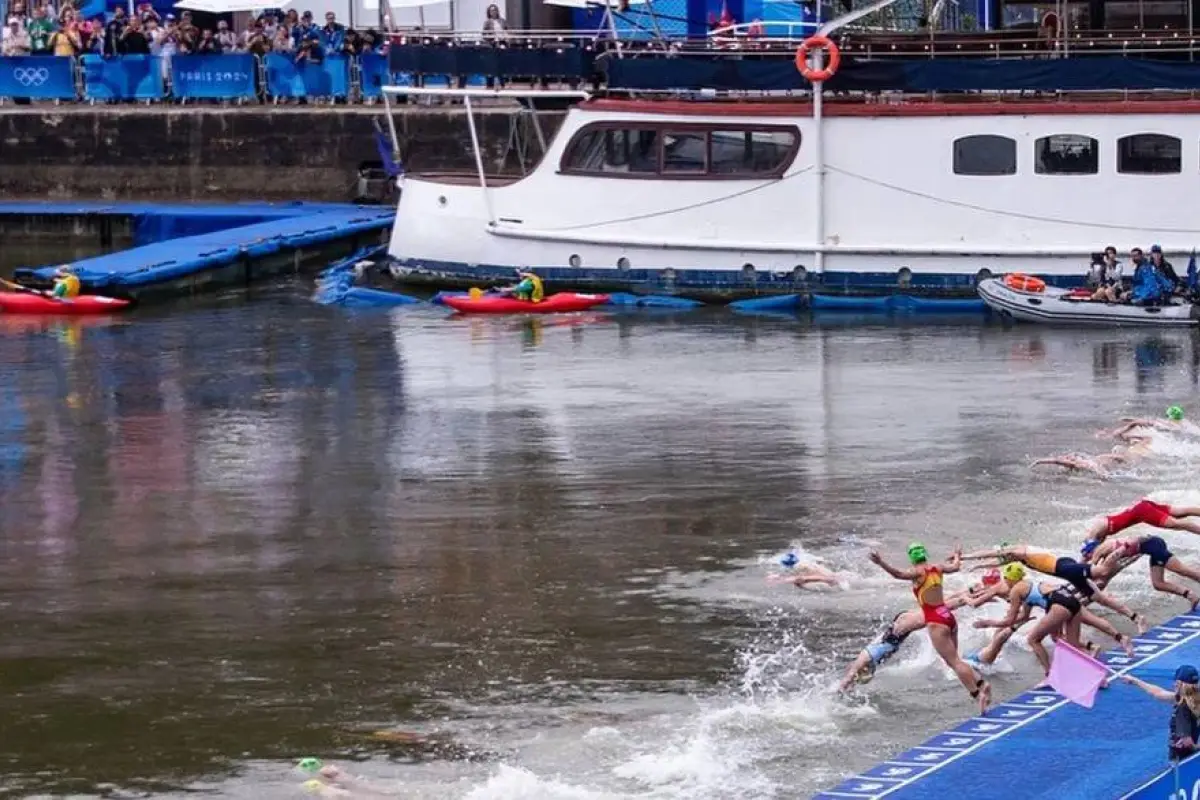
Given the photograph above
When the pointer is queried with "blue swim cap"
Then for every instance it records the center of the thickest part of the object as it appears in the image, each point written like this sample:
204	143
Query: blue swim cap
1089	547
790	560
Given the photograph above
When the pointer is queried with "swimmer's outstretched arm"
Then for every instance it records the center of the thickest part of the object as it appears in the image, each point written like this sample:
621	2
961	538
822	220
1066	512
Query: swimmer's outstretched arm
997	553
989	594
1071	462
907	574
1016	608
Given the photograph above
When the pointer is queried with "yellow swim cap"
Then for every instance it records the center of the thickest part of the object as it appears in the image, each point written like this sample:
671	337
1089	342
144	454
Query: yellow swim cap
314	786
1013	572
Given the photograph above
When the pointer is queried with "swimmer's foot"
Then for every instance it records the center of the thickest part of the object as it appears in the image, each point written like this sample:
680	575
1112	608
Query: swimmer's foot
984	695
1192	598
1126	643
1142	623
1044	684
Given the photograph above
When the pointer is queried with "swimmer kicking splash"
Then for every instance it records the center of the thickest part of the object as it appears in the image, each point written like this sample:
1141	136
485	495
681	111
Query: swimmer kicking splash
926	582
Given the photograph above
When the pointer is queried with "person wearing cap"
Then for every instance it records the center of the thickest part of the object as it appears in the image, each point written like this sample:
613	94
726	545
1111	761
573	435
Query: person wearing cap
926	579
906	623
16	39
1184	727
1164	267
1150	285
66	283
803	574
1114	555
1063	615
1081	576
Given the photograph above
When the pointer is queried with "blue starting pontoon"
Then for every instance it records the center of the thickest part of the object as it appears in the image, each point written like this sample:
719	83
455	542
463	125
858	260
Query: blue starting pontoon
1039	745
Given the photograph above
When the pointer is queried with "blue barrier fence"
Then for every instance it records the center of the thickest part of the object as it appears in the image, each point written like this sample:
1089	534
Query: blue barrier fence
243	76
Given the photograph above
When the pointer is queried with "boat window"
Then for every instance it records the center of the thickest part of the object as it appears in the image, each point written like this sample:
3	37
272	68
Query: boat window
740	152
985	154
682	150
685	152
615	150
1066	154
1149	154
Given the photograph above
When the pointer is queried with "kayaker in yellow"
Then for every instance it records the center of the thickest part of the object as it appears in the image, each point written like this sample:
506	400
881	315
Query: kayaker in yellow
66	284
529	289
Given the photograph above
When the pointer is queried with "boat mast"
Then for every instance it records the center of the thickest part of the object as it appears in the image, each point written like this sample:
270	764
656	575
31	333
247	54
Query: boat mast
819	120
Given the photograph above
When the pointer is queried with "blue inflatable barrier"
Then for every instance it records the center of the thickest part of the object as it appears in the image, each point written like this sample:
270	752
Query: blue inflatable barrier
782	302
123	78
364	297
287	78
900	303
625	299
224	77
37	78
826	302
925	305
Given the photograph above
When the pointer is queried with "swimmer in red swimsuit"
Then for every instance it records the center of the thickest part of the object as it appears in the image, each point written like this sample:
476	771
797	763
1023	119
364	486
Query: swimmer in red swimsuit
926	581
1148	512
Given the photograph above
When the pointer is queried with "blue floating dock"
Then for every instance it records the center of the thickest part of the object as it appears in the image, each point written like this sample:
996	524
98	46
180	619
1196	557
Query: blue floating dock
1039	745
184	249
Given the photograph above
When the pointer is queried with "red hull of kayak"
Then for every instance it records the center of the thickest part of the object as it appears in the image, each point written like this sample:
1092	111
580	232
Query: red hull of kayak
554	304
21	303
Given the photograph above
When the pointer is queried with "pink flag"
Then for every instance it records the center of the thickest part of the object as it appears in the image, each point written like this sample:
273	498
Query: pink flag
1075	675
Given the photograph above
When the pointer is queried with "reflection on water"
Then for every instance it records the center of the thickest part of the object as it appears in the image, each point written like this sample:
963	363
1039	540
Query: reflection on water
235	531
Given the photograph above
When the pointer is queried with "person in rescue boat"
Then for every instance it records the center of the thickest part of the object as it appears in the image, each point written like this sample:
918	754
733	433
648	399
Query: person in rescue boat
1150	285
1165	269
529	288
66	283
1105	276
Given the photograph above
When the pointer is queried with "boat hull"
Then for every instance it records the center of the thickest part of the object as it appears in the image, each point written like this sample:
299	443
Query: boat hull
560	303
39	305
1056	307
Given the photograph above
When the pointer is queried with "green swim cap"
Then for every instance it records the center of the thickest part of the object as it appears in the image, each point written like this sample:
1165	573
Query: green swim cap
916	553
1175	413
310	764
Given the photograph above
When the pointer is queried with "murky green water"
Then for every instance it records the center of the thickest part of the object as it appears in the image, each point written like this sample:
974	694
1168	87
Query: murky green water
248	529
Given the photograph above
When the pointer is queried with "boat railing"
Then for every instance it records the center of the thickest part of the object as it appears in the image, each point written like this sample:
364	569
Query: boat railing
734	42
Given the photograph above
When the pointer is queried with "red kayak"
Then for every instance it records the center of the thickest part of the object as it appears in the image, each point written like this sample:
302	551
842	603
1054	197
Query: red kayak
498	304
85	304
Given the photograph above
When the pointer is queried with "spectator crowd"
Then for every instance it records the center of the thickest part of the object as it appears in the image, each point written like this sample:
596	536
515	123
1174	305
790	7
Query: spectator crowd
44	29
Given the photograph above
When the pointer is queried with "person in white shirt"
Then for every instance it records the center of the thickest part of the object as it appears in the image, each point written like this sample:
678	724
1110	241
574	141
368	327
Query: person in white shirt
226	38
1106	277
16	39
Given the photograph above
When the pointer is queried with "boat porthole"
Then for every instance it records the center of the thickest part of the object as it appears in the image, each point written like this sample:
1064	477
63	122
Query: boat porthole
748	272
983	275
575	261
799	274
442	200
622	263
904	276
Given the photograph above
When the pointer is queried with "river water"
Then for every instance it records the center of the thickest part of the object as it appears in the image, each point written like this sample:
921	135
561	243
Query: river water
248	529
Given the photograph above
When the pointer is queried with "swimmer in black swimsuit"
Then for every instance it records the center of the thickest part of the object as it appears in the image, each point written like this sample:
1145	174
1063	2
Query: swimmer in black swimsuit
1115	555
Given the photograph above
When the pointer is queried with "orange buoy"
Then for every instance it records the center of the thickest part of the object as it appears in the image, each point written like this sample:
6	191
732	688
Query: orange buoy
1020	282
818	43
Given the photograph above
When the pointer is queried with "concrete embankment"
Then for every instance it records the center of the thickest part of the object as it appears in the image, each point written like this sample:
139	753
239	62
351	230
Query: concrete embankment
210	153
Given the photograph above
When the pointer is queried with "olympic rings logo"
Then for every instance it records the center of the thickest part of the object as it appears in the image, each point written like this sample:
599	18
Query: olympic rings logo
31	76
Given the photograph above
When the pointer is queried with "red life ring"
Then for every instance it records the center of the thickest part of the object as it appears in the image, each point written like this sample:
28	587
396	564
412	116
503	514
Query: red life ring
822	43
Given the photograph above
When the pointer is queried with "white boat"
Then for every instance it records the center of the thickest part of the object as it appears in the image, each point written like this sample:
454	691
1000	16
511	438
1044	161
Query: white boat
729	197
1061	307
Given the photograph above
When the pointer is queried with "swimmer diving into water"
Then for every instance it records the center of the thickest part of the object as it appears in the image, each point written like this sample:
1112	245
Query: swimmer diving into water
926	582
1024	595
1080	576
1146	512
802	574
906	623
1117	554
1100	465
